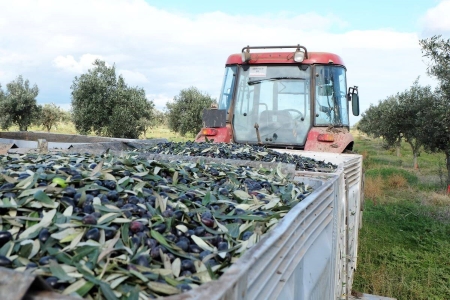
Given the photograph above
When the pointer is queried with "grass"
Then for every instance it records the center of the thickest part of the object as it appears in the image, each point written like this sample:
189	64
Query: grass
153	133
404	244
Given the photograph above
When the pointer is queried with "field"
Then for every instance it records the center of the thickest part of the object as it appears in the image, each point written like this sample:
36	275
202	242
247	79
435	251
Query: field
404	244
404	249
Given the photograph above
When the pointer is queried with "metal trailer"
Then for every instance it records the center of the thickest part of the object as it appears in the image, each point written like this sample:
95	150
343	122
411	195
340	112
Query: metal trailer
310	254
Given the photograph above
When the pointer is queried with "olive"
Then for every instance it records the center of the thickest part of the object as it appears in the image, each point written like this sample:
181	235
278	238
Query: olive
187	264
136	226
222	246
203	254
88	209
161	228
208	222
186	273
246	235
93	234
9	195
143	261
31	265
109	184
110	233
69	191
171	237
151	243
112	195
189	233
45	260
44	234
194	248
167	213
90	220
183	245
4	261
178	214
52	281
200	231
7	186
5	236
94	193
184	287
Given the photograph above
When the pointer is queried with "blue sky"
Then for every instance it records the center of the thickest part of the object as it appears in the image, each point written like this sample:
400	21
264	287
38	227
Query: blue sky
166	46
402	15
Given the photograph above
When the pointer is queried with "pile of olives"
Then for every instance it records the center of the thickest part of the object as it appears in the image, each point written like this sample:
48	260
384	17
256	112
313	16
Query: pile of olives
118	227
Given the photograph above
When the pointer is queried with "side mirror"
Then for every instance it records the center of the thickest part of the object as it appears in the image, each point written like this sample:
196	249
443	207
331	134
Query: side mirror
353	94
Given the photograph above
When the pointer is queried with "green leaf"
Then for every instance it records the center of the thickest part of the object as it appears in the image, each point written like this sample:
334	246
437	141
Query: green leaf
57	271
42	197
233	230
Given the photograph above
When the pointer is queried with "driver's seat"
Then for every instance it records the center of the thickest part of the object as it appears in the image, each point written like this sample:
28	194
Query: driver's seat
280	117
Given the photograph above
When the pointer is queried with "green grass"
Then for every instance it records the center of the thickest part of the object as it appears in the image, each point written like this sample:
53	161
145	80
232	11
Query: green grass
153	133
404	244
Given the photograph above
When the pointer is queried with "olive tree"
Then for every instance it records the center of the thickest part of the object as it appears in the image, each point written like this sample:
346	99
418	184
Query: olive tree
104	104
50	115
18	104
414	104
380	121
437	132
184	113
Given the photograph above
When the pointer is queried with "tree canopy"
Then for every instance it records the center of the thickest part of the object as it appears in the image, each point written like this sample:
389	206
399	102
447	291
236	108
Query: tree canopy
18	104
104	104
184	113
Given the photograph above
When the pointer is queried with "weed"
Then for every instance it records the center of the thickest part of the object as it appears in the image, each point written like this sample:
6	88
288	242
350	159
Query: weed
373	188
396	181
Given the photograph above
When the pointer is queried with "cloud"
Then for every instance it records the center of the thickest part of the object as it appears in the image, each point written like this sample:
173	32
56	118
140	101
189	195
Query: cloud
436	20
68	63
164	52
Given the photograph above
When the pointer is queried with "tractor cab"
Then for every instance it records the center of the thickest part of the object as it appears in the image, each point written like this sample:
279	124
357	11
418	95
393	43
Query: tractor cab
293	100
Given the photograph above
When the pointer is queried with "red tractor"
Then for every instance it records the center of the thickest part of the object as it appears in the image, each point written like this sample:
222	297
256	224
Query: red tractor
296	100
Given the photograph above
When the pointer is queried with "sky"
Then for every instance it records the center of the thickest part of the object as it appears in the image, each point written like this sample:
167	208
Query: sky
166	46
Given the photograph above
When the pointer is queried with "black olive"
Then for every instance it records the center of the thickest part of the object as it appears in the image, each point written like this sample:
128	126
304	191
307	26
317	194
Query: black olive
203	254
5	236
222	246
200	231
44	234
69	192
194	248
110	233
31	265
52	281
90	220
161	228
184	287
187	264
246	235
151	243
45	260
88	209
4	261
93	234
183	245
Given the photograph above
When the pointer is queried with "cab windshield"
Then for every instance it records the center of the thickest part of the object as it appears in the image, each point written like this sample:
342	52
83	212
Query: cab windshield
276	99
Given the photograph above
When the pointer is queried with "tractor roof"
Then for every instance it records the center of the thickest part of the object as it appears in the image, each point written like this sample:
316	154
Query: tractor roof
287	58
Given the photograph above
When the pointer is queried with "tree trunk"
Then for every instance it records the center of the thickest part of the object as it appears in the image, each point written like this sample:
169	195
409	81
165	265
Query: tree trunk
397	148
416	165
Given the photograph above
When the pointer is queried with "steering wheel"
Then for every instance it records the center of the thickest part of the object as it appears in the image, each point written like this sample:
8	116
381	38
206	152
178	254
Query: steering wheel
300	114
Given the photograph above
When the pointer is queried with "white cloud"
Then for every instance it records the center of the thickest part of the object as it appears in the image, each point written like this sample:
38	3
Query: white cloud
68	62
159	100
165	52
436	19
